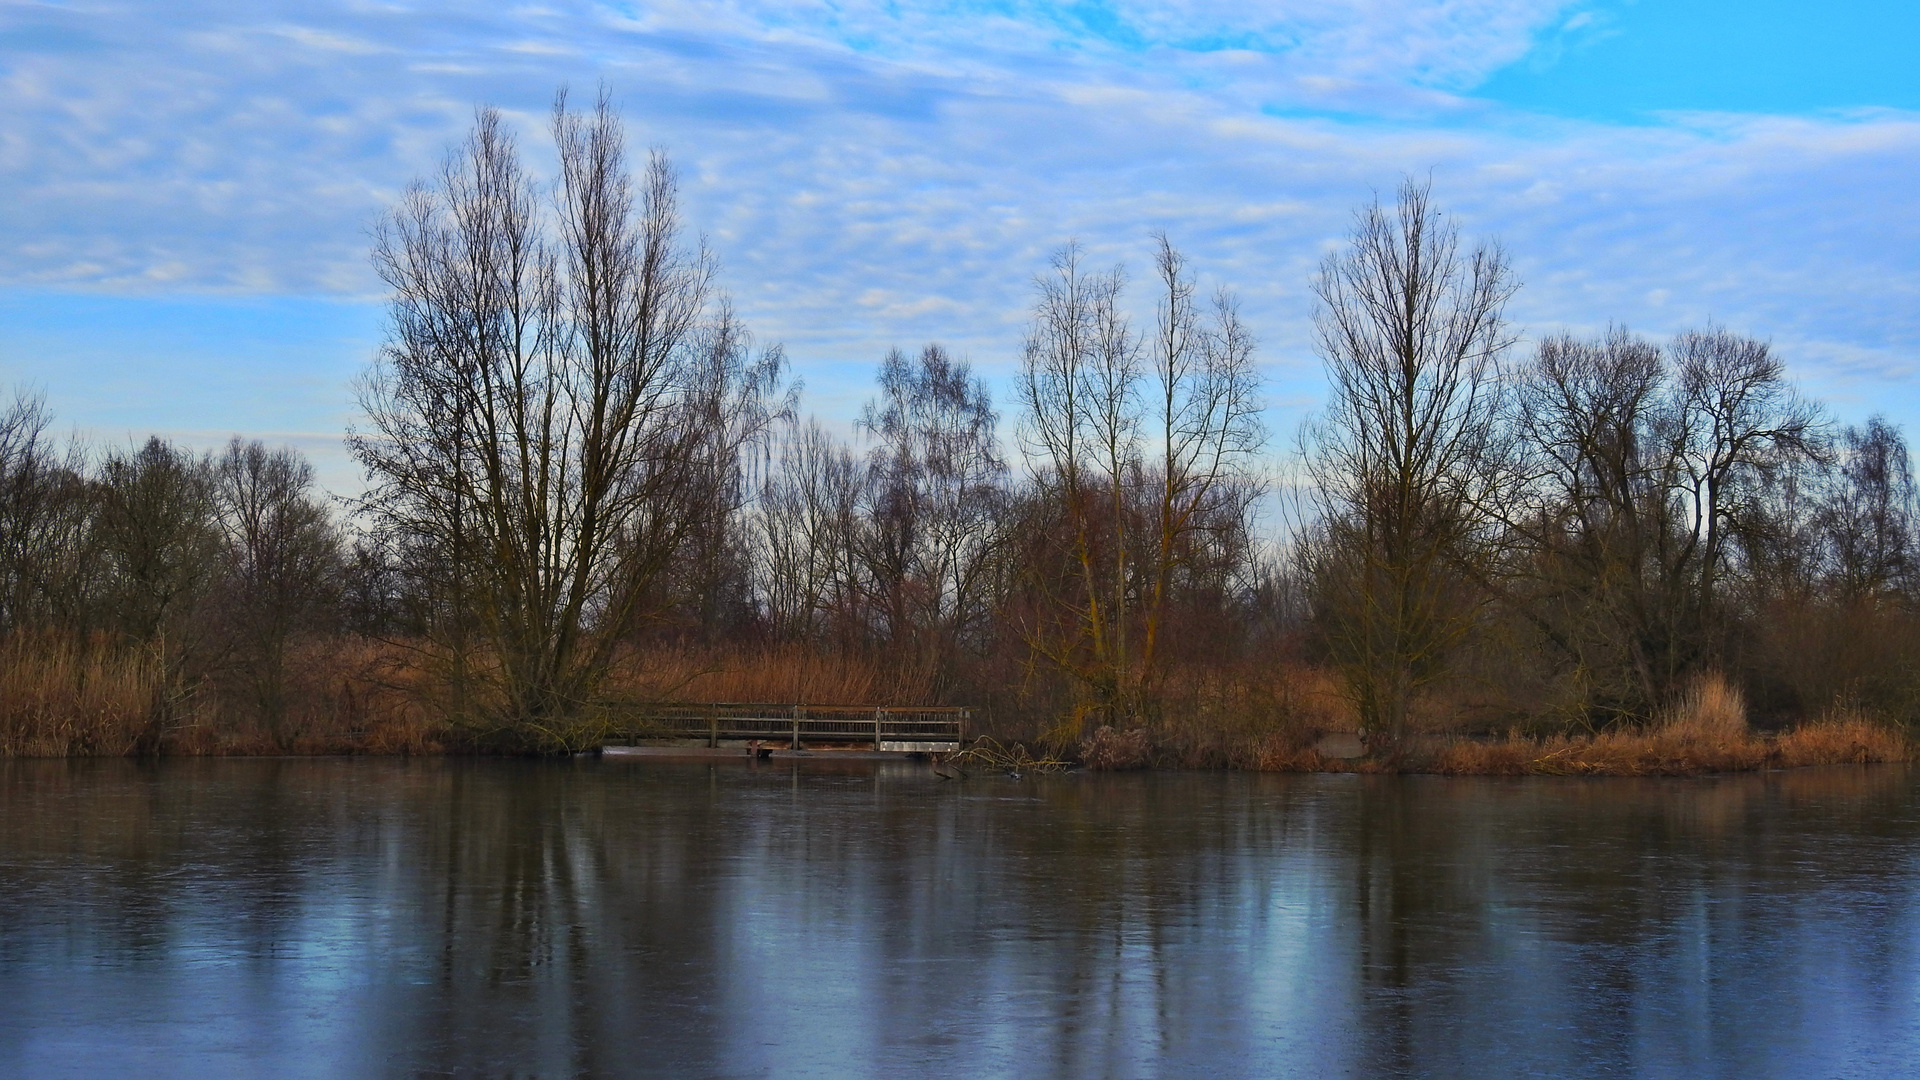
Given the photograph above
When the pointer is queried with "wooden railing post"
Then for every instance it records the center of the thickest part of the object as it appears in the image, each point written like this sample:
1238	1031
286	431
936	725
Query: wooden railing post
878	712
797	710
713	728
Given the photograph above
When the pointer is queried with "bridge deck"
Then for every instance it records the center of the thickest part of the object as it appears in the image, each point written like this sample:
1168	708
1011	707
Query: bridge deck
881	727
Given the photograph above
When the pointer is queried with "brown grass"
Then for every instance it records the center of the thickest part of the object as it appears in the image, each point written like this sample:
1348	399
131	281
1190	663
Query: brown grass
1843	737
1832	740
61	696
777	674
1711	711
1706	731
1246	718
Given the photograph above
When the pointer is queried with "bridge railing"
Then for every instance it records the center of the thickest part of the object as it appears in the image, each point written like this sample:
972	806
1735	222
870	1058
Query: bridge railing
884	727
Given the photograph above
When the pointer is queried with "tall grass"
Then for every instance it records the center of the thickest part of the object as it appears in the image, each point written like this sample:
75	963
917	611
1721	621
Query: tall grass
1843	737
1248	716
771	674
63	696
1712	711
1701	738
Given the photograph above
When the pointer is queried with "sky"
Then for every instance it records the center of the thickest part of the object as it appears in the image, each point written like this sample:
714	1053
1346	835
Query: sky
187	190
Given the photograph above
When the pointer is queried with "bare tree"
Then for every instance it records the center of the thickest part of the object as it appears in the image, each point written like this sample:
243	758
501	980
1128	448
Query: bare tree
807	538
736	399
46	574
1744	425
1410	331
1141	451
937	488
155	523
1646	484
1079	386
1603	555
541	433
1867	517
1205	413
283	560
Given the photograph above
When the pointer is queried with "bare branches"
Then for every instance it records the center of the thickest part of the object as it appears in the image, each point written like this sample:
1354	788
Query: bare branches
1410	333
1136	446
560	405
936	487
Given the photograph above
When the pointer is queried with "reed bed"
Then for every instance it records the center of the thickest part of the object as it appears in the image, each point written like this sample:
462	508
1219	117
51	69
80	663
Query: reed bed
68	696
773	674
61	696
1707	731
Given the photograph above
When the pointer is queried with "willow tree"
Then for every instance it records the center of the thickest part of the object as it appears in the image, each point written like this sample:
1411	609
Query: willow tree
559	399
1410	331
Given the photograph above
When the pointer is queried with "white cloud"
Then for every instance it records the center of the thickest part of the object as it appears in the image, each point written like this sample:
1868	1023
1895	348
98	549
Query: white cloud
877	174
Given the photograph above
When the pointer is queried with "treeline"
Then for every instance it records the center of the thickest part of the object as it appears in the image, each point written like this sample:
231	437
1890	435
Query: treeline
589	489
1577	537
145	589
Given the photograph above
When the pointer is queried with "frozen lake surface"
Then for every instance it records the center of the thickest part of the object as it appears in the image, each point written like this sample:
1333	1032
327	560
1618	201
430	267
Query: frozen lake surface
607	918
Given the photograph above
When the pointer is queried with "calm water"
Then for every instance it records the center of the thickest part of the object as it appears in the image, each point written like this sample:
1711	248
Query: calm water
374	918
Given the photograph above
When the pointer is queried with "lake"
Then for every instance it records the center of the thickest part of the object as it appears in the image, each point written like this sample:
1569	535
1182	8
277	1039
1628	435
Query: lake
620	917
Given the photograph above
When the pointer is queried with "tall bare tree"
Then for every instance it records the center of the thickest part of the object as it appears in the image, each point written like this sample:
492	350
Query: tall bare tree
1205	414
1867	517
47	575
1138	446
1078	384
541	428
155	525
1410	330
1603	557
1745	425
1650	478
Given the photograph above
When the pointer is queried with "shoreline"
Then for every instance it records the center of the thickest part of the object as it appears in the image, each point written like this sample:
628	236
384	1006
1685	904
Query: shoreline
1617	754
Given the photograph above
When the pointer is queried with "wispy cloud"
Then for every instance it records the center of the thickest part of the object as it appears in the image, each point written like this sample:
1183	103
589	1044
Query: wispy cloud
881	173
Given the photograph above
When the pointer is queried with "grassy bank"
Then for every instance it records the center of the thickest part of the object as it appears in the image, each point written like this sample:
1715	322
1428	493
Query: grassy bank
1706	732
1840	740
61	696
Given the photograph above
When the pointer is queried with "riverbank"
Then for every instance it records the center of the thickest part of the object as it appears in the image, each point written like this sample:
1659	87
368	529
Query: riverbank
1836	741
62	697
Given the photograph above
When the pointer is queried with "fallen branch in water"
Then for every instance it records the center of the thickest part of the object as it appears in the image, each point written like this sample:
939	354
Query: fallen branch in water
986	753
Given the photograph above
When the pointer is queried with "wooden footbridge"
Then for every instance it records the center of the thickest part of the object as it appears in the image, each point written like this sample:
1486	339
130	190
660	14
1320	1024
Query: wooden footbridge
915	729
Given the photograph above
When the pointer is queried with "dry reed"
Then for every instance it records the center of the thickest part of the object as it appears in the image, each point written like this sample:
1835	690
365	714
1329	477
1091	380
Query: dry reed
1112	750
1712	711
776	674
64	696
1833	740
61	696
1843	737
1253	717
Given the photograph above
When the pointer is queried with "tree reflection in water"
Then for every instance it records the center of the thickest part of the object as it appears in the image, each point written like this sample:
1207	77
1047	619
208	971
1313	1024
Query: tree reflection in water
615	918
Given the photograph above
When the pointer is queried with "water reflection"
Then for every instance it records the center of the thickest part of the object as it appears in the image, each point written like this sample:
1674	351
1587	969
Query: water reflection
471	918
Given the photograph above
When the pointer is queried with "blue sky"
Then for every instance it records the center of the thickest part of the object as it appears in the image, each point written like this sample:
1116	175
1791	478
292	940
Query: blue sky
188	187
